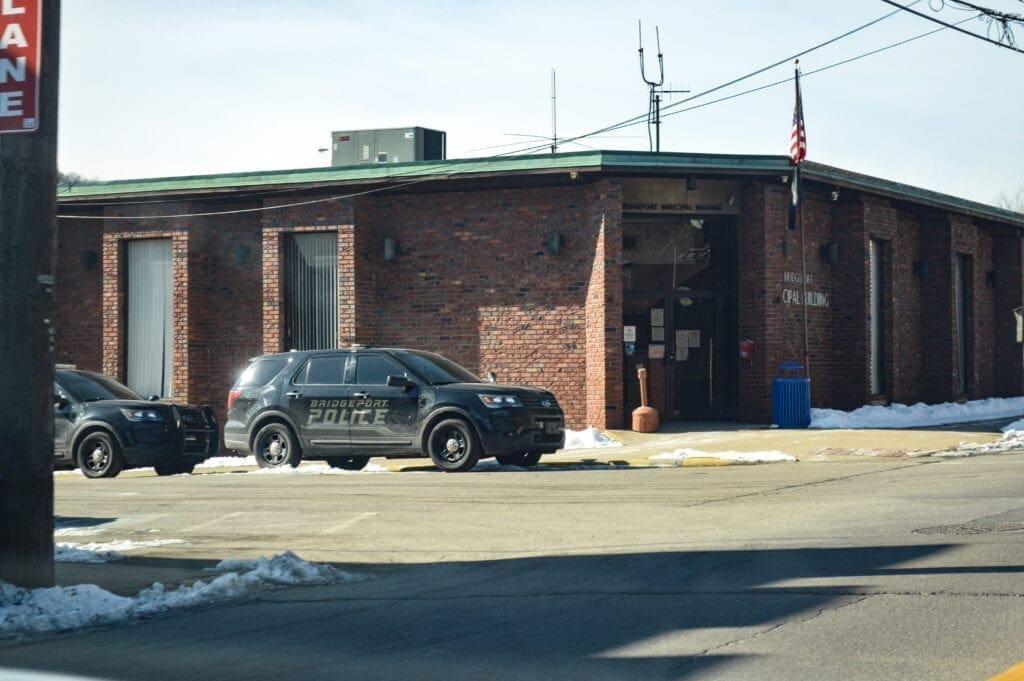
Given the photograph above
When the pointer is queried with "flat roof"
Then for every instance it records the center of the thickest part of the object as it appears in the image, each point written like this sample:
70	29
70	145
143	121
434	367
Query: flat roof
605	162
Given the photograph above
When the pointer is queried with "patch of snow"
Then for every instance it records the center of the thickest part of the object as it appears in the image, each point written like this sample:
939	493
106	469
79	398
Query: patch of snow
61	608
920	414
317	469
103	552
739	457
588	438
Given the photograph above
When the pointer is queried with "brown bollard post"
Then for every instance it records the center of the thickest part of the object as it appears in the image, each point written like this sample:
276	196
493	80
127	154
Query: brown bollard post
645	419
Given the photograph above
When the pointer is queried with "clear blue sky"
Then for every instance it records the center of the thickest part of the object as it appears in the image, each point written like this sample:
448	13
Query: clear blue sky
194	87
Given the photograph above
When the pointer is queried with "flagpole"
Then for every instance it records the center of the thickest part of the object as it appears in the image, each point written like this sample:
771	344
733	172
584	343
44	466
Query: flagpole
800	218
803	281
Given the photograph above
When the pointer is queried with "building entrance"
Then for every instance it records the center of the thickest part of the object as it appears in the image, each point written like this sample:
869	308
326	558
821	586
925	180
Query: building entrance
679	316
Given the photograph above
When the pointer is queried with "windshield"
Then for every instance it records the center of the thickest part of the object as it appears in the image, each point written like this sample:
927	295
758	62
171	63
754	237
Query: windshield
437	370
93	387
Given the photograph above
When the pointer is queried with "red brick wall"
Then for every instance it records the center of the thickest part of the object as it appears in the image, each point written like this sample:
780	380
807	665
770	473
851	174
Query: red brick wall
473	279
78	294
225	324
1007	256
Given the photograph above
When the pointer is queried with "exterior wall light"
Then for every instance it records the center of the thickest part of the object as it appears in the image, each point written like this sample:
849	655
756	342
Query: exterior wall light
554	243
830	252
88	259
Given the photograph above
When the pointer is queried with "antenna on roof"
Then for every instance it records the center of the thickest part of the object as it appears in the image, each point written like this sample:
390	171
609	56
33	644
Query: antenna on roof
654	88
554	116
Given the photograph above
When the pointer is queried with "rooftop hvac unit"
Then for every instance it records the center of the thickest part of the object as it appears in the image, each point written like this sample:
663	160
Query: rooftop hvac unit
392	145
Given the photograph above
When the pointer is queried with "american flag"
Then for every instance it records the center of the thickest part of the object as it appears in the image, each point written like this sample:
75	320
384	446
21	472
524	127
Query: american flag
798	138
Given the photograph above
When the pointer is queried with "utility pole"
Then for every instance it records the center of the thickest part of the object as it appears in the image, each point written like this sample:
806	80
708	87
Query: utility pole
28	216
654	87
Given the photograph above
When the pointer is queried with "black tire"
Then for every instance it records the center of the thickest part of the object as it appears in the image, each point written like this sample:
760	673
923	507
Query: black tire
522	459
275	447
348	463
174	467
453	446
99	456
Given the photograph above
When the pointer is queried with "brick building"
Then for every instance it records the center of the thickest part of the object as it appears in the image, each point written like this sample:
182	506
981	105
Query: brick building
564	271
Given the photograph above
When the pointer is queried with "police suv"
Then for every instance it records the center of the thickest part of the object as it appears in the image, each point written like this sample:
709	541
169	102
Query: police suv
346	405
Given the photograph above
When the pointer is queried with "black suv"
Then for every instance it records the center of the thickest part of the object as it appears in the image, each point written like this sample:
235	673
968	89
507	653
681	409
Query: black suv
103	427
347	405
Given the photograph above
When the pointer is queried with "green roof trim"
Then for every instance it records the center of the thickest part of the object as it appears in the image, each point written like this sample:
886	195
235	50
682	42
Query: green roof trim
631	162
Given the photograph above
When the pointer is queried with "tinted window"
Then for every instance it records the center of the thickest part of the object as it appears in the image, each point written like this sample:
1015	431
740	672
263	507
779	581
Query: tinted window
436	369
375	369
261	371
93	387
328	370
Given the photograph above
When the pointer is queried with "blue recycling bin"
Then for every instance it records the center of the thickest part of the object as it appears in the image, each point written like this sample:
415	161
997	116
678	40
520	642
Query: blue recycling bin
791	397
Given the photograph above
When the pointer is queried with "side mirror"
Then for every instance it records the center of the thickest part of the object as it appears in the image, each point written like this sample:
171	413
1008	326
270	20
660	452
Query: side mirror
492	377
399	381
59	401
153	398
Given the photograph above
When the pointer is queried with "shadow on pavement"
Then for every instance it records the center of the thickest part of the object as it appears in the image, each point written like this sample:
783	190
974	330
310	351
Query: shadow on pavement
668	615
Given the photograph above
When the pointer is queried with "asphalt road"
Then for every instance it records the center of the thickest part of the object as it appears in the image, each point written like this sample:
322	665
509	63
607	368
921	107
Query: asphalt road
878	570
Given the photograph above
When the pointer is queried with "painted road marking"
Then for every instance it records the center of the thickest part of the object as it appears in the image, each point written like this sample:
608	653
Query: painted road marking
212	522
1012	674
348	523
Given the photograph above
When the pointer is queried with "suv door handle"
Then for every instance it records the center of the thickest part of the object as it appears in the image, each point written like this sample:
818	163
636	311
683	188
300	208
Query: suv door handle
294	393
361	396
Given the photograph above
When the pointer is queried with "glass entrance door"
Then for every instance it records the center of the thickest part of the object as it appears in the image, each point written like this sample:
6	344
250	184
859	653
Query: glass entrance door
679	316
692	353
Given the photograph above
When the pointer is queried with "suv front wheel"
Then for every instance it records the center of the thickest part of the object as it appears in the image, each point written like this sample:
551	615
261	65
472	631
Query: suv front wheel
453	446
275	446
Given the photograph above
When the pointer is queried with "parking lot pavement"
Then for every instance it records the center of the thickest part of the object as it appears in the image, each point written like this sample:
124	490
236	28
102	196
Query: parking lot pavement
635	450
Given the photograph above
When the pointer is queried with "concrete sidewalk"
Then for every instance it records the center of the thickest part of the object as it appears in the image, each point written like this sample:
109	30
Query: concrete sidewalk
804	444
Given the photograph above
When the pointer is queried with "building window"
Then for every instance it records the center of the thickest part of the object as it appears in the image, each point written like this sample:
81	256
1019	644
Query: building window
149	329
961	284
877	264
311	291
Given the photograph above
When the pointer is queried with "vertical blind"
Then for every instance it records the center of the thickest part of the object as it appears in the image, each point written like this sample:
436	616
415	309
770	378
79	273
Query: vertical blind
960	290
150	334
876	266
311	291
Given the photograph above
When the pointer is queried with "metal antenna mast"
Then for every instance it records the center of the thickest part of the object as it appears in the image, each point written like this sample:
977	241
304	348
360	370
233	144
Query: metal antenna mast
654	103
554	127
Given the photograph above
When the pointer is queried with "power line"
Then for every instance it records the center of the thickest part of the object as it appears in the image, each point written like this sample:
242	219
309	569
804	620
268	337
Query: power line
569	140
953	26
642	117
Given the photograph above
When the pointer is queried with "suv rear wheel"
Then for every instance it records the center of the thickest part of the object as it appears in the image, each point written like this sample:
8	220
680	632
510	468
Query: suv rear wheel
275	446
453	446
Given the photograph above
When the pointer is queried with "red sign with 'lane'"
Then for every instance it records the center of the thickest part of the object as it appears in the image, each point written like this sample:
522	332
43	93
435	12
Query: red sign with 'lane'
20	47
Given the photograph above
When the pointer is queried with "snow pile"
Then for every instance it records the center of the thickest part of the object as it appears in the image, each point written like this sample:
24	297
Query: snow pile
1013	438
920	414
103	552
588	438
227	462
36	611
681	455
